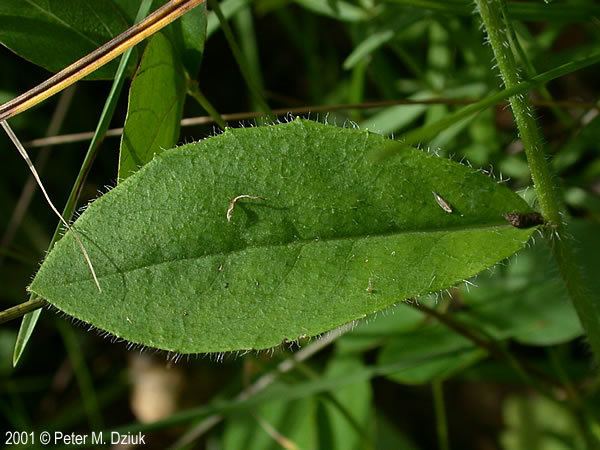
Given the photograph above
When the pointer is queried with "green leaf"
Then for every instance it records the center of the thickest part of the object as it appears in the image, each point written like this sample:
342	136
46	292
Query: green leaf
55	33
156	102
333	237
538	422
343	11
345	425
430	340
230	8
187	34
368	46
380	328
26	329
30	320
394	118
526	301
304	422
294	420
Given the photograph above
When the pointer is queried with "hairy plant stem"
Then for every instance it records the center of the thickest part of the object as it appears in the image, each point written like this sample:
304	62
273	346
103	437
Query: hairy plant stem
546	186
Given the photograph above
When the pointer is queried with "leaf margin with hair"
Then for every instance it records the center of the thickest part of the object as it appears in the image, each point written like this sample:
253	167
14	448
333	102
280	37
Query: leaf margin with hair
324	183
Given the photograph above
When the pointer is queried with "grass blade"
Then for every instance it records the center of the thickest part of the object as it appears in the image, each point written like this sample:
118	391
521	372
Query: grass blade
30	320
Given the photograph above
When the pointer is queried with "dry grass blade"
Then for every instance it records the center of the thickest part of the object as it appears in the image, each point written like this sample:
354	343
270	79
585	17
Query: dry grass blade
310	109
278	437
40	162
21	149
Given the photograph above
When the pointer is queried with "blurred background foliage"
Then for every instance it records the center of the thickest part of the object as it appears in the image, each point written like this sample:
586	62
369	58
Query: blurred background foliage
498	363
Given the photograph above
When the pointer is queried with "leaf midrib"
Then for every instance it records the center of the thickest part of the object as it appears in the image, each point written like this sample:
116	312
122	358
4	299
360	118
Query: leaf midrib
499	225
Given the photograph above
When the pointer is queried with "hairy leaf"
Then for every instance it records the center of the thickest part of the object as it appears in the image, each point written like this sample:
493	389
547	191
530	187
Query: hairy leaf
55	33
155	106
323	236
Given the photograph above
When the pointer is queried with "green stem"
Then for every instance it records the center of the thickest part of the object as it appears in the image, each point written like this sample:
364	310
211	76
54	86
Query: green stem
30	320
82	375
195	92
427	132
253	84
515	43
21	309
440	414
547	189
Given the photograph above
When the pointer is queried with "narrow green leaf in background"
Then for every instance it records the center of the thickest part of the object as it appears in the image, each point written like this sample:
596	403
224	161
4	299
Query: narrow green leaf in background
430	340
230	8
344	11
292	421
368	46
155	106
30	320
324	236
307	423
380	328
55	33
187	34
336	432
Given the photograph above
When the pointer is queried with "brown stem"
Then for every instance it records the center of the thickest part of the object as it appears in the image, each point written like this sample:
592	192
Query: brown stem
99	57
206	120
